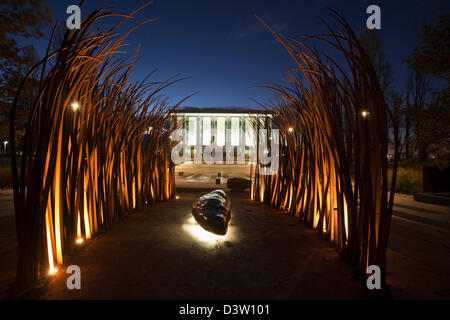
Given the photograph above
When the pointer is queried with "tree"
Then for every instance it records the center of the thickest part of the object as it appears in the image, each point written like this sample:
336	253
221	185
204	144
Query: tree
372	45
432	56
23	18
10	77
396	103
383	69
18	18
417	90
428	110
435	123
408	119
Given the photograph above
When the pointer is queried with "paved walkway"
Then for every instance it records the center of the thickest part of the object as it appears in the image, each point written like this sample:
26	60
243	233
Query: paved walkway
6	202
418	258
160	253
154	254
203	177
421	211
8	242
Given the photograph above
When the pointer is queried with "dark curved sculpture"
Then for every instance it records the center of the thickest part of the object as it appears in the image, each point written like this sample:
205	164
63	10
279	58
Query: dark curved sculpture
213	212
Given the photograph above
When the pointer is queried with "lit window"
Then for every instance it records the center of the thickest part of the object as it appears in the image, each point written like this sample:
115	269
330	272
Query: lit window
206	131
192	138
220	134
235	131
249	134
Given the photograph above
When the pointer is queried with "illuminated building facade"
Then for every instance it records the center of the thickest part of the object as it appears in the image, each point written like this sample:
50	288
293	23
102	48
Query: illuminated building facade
232	129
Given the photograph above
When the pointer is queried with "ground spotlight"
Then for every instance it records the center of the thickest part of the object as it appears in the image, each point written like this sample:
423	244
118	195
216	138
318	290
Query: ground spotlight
75	106
52	271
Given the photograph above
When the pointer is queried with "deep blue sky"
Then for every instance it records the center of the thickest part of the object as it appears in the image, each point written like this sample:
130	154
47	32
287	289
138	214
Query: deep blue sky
222	46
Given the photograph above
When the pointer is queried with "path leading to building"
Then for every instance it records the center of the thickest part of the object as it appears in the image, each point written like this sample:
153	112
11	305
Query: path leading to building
160	253
190	176
271	252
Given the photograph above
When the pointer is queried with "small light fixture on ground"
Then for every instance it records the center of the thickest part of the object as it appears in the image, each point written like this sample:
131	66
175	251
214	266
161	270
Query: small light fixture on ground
365	114
177	197
79	241
75	106
206	238
52	271
291	129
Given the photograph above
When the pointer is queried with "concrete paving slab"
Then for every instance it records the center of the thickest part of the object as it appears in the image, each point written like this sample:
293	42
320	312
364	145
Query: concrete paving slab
160	253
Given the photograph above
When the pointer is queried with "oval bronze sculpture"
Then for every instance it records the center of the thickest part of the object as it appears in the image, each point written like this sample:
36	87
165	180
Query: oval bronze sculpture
213	212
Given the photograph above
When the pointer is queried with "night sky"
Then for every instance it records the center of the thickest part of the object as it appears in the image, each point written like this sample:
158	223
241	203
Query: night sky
222	46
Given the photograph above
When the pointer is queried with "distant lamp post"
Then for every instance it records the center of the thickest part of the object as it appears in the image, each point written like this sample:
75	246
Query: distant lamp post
75	106
291	129
5	143
149	130
365	114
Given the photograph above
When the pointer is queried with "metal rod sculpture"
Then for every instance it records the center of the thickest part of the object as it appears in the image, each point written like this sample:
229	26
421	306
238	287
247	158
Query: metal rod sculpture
87	158
333	171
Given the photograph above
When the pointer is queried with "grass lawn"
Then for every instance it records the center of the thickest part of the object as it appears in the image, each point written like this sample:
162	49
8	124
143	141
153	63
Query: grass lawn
409	179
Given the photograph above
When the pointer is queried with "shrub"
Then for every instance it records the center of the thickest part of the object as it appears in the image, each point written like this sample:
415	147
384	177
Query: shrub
409	179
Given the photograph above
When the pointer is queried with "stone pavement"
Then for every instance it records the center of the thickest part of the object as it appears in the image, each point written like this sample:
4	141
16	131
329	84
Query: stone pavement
428	213
6	202
418	257
160	253
8	242
418	254
203	177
